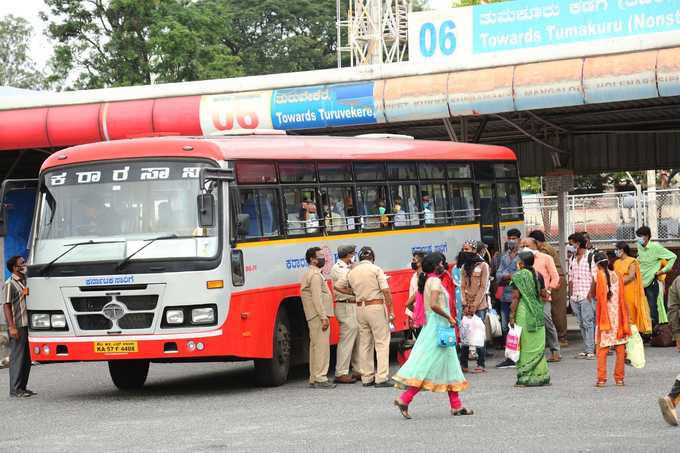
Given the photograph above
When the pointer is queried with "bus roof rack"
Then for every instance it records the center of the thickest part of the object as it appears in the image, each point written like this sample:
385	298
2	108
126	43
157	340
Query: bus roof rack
238	132
397	136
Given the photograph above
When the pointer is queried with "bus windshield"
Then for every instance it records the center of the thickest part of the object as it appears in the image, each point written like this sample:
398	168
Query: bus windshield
121	207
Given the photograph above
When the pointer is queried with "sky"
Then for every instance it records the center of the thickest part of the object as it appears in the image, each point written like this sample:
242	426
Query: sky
41	47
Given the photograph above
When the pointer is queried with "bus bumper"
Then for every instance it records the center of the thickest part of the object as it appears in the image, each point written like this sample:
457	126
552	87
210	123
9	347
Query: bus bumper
127	347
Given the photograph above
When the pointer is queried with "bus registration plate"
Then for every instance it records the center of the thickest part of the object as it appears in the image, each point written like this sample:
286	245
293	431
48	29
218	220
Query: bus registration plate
115	347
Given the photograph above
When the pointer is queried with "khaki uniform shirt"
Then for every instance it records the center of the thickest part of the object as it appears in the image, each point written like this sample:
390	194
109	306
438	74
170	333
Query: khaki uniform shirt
339	270
554	254
316	297
366	280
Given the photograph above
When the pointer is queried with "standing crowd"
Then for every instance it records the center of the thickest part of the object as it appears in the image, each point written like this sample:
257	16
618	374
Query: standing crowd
617	300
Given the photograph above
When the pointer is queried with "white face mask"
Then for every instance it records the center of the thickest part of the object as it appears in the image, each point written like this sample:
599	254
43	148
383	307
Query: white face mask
618	253
571	249
527	249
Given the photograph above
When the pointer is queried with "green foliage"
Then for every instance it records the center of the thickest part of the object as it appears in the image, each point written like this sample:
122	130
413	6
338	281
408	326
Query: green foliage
530	185
137	42
474	2
16	67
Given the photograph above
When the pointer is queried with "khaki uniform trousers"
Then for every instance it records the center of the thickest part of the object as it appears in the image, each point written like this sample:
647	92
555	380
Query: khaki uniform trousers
374	331
319	351
559	309
348	344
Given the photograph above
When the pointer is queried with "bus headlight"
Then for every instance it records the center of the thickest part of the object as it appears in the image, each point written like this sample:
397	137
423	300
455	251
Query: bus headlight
203	315
174	316
58	321
40	320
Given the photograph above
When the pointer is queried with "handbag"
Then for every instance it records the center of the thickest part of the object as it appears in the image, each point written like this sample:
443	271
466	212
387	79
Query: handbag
500	289
494	323
446	337
635	349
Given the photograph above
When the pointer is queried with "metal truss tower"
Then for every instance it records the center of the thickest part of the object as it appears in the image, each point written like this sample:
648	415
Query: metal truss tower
377	31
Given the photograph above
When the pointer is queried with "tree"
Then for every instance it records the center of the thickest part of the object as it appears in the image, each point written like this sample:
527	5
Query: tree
474	2
105	43
134	42
17	69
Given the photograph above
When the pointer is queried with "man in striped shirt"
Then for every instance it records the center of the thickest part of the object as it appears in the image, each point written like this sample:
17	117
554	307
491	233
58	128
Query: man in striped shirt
581	294
16	314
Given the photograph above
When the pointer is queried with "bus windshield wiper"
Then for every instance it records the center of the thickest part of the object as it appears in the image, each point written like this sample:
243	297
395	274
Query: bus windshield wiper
127	259
48	266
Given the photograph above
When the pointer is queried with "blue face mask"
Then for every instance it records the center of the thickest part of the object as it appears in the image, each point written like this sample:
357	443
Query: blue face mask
640	240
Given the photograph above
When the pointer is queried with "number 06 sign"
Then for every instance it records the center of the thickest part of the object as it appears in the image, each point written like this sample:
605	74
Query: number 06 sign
231	112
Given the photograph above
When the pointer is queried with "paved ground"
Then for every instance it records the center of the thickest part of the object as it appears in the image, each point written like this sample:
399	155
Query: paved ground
216	407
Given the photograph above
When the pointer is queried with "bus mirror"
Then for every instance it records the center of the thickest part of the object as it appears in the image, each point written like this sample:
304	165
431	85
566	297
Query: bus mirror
242	225
206	210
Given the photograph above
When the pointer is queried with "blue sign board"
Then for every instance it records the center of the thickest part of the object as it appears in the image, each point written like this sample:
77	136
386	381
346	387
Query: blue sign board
323	106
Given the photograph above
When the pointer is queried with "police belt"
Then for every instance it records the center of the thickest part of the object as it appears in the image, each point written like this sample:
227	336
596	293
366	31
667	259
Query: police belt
370	302
346	301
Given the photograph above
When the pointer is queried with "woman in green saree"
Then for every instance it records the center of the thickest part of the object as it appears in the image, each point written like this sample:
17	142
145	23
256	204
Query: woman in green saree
527	312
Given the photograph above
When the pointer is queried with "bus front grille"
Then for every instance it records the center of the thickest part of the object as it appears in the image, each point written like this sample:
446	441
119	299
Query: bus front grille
136	321
139	303
89	304
94	322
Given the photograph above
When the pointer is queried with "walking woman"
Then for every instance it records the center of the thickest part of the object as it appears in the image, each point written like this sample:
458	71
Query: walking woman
430	366
628	269
527	312
611	320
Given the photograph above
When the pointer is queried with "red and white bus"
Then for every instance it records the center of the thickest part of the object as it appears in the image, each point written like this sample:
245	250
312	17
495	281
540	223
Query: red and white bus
173	249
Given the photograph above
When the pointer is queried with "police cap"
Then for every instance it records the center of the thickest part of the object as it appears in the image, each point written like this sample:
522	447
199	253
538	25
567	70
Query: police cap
345	250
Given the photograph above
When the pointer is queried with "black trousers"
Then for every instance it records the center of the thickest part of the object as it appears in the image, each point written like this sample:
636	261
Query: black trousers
19	362
652	293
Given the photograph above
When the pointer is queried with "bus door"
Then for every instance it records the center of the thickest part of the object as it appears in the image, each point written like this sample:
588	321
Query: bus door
488	212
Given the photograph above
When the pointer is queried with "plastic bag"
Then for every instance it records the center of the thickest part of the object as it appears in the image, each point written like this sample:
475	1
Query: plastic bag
473	331
635	349
495	323
512	343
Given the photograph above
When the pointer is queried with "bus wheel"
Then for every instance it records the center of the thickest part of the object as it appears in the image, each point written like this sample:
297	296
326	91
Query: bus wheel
273	372
129	374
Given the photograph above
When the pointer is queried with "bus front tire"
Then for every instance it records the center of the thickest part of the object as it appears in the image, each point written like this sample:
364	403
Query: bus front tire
129	374
274	372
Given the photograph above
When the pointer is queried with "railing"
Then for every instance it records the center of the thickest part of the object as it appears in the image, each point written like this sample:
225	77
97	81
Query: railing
608	217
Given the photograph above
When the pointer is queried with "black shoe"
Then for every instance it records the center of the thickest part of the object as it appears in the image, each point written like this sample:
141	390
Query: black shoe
388	383
30	392
507	363
21	394
323	385
368	384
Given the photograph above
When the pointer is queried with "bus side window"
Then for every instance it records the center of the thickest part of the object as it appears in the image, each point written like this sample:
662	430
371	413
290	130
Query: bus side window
301	211
462	204
507	194
405	205
261	206
433	197
372	207
338	209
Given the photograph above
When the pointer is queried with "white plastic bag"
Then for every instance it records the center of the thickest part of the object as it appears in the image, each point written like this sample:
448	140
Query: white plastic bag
512	343
495	323
473	331
635	349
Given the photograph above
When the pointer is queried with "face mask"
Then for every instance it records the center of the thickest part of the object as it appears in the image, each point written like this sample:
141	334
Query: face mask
23	269
641	240
618	253
511	244
571	249
354	258
414	266
320	262
526	249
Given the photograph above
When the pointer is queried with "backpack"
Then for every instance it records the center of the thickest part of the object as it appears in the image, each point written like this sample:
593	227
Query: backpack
662	336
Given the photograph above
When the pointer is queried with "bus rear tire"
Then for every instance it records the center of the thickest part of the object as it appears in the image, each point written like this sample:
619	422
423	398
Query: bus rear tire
129	374
274	372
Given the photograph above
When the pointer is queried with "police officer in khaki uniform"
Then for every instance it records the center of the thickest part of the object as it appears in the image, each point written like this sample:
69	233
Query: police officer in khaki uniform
346	314
369	285
318	306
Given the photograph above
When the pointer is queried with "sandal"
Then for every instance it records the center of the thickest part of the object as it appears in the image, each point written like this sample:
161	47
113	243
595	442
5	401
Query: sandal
590	356
479	370
462	411
601	384
581	355
403	408
554	359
